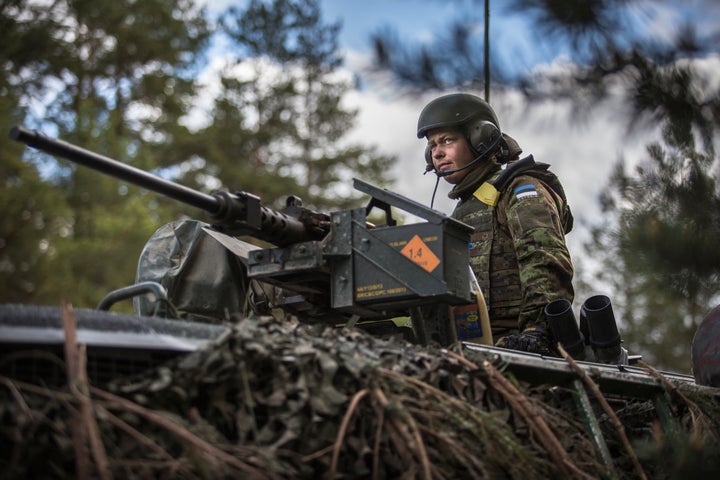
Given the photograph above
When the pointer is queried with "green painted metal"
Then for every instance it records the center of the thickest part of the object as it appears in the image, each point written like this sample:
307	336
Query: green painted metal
665	415
591	422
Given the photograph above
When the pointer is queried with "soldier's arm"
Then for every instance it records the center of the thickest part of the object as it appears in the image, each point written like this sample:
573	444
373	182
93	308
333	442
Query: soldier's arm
546	271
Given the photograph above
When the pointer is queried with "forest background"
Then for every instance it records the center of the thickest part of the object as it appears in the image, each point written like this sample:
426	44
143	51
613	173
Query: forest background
261	96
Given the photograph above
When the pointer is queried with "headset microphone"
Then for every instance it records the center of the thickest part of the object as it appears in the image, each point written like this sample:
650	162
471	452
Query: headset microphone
486	153
445	173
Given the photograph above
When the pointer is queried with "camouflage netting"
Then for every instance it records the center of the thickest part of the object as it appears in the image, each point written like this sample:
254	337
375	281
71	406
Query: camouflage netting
276	399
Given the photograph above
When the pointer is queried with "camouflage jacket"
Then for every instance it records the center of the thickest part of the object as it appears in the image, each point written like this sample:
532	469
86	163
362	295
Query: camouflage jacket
518	250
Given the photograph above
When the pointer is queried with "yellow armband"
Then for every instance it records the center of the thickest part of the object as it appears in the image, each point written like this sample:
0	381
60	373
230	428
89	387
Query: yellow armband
488	194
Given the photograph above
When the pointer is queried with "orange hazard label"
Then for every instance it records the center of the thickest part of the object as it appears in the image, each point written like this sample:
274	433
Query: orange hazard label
418	251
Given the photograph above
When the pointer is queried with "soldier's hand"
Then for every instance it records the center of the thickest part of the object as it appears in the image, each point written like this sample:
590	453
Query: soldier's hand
532	339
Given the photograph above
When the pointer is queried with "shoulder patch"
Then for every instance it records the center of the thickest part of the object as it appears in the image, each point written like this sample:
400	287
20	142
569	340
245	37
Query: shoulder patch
525	191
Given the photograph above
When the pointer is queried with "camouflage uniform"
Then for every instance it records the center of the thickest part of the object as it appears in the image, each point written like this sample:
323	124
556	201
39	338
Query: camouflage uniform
518	250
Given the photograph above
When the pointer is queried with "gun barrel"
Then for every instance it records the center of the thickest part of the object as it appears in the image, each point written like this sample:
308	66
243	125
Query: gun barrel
237	213
116	169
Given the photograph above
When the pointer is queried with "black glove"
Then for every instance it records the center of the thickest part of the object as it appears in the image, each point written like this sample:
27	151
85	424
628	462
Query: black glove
532	339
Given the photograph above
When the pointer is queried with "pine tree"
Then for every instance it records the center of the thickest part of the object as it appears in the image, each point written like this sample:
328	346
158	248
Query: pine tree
34	217
115	78
279	124
659	244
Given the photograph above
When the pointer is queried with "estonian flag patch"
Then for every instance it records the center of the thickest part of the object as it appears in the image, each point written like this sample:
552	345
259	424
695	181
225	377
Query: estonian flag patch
525	191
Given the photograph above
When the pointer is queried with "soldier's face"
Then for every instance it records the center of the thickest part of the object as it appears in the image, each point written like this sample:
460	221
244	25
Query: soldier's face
450	151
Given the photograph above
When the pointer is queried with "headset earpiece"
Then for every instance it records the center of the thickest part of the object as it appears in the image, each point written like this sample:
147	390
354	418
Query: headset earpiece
428	160
482	135
504	151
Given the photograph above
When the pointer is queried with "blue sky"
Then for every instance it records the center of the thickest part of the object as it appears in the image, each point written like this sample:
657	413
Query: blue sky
421	21
417	21
511	31
512	35
361	18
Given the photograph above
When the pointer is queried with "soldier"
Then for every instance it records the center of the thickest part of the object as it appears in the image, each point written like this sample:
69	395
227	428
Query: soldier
518	210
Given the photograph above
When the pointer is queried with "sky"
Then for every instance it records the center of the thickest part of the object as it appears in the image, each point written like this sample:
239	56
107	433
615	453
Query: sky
581	151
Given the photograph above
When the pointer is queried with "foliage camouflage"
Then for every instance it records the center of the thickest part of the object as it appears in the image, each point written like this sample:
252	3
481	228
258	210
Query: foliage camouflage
276	399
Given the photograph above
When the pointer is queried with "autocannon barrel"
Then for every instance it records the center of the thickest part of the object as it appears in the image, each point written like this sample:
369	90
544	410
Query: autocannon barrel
236	212
115	169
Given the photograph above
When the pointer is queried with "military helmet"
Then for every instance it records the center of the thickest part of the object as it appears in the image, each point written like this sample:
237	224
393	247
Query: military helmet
471	114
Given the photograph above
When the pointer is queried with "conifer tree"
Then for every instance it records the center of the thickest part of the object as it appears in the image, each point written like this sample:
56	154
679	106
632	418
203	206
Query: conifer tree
34	217
659	247
279	124
114	77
